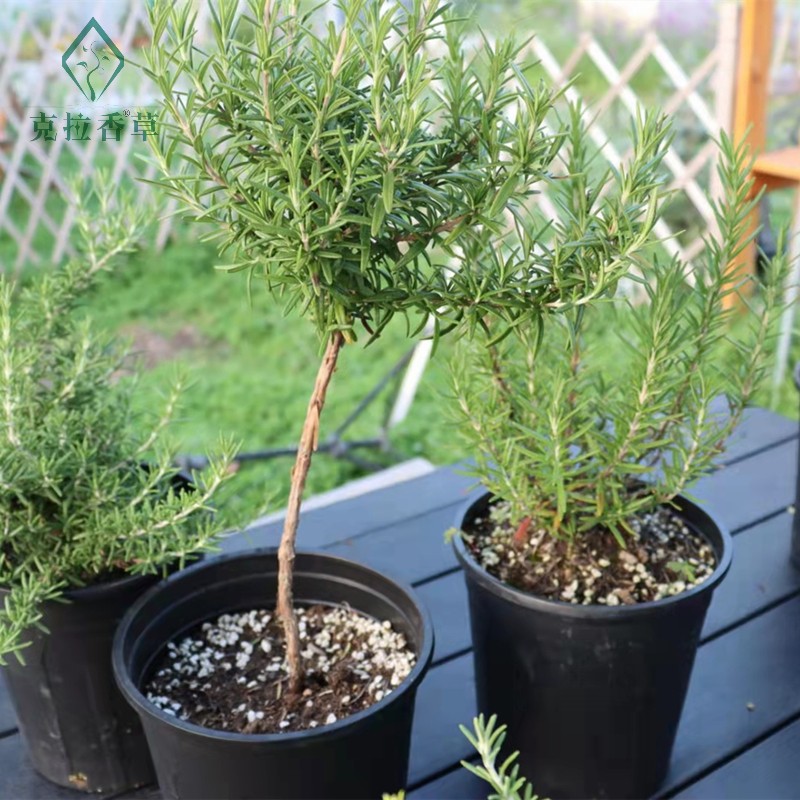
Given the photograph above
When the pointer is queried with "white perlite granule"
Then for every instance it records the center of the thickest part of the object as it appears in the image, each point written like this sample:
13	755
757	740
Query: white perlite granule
377	654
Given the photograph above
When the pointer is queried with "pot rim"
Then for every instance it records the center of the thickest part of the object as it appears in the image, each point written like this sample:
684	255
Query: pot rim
137	699
93	591
594	611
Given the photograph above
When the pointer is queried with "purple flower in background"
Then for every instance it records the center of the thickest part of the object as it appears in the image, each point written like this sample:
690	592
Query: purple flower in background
692	19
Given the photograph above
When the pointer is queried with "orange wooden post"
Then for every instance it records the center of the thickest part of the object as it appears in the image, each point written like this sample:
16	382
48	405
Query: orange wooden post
752	93
752	72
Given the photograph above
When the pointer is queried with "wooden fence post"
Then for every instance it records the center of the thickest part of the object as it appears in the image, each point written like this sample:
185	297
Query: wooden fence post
750	107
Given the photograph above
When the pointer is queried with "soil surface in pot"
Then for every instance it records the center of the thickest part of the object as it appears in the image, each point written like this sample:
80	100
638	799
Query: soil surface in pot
230	674
663	557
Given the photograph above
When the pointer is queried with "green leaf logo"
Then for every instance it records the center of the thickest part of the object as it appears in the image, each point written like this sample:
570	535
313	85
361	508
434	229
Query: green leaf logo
92	60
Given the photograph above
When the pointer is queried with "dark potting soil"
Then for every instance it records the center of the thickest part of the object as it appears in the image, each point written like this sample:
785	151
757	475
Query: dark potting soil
230	673
663	557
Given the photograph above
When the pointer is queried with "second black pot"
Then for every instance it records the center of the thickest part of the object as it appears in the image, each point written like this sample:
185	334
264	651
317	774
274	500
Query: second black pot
77	727
592	695
361	756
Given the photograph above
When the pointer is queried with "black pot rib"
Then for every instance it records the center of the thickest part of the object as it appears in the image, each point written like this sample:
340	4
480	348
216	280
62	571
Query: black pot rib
592	695
358	757
79	730
795	554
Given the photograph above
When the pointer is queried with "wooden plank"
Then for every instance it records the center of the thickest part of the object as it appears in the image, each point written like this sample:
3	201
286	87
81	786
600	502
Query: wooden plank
770	769
457	783
761	575
750	106
393	475
446	599
760	430
18	779
353	518
748	491
445	699
753	63
744	684
412	550
782	164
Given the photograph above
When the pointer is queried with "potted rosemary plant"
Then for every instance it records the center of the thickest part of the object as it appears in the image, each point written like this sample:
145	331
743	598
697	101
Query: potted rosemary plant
359	177
91	515
588	567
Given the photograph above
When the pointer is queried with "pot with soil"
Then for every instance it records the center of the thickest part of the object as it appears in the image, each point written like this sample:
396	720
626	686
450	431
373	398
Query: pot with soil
589	571
592	692
201	659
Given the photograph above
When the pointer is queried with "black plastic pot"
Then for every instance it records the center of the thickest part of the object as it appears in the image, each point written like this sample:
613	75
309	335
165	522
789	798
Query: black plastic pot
796	520
592	695
78	729
358	757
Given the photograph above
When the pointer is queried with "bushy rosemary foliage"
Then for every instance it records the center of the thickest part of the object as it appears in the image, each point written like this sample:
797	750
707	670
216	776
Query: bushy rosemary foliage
77	503
487	738
333	164
574	445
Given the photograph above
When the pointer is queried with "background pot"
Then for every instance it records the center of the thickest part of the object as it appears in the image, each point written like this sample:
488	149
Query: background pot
591	695
78	729
796	520
361	756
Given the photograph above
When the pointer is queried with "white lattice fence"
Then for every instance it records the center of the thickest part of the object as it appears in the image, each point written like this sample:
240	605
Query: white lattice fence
35	221
684	94
35	216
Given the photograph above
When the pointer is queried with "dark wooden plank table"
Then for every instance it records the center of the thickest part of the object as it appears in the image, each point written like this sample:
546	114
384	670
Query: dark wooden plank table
740	732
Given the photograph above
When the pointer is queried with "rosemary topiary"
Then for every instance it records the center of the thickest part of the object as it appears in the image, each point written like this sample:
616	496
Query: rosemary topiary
576	441
84	497
378	169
